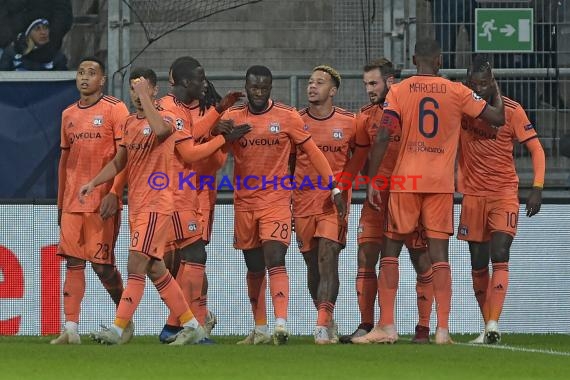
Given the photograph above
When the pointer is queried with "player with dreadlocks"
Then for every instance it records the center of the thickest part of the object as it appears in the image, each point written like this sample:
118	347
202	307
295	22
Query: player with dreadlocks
206	170
488	180
187	258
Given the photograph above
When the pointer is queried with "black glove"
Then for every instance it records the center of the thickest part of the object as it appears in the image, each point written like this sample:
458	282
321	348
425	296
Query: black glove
21	44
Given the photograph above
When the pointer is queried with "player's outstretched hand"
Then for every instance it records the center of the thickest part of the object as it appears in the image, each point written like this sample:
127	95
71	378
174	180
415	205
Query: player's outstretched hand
533	202
373	197
238	132
85	191
229	100
223	127
340	205
109	206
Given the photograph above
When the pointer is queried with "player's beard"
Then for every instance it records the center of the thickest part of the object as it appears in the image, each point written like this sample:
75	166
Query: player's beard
382	97
258	104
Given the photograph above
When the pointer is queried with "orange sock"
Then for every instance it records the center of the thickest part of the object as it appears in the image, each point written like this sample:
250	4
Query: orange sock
442	292
202	308
500	284
73	292
130	300
366	290
173	297
256	286
185	278
424	291
113	283
184	284
325	313
486	311
480	284
388	279
279	287
195	273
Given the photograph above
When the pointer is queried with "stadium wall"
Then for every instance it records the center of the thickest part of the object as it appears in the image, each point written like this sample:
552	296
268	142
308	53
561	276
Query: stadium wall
31	280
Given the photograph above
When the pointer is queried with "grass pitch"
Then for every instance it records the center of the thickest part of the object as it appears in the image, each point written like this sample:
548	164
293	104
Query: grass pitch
519	357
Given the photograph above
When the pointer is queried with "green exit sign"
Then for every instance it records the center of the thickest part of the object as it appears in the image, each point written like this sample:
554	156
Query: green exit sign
504	30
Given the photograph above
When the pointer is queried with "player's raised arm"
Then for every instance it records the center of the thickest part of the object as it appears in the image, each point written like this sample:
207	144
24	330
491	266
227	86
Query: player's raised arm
106	174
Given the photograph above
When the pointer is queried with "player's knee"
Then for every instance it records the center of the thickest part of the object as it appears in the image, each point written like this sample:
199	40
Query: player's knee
74	262
195	253
275	260
138	263
274	253
156	270
500	247
102	270
311	259
368	254
438	250
392	248
479	262
500	255
328	255
329	247
276	247
420	260
479	253
254	260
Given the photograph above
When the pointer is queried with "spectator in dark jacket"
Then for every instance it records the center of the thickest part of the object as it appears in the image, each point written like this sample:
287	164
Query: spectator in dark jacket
16	15
18	55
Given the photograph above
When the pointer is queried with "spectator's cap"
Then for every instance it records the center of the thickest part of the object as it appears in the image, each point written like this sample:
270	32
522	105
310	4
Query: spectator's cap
39	21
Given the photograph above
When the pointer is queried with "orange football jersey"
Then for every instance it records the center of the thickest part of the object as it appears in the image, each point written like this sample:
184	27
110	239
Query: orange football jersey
367	124
150	191
486	163
90	133
430	109
262	156
334	135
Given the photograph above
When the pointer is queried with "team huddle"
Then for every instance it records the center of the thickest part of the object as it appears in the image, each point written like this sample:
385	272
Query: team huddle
417	129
